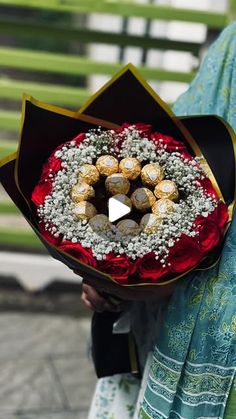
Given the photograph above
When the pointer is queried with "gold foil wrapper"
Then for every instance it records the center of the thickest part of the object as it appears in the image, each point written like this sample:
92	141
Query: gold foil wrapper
166	189
142	199
117	184
82	192
107	165
162	207
84	210
150	223
88	173
130	167
100	223
128	227
152	174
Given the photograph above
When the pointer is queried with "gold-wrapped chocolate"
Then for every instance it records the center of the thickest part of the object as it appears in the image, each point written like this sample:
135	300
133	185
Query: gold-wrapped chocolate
88	173
150	223
152	174
100	223
84	210
130	167
128	227
107	165
162	207
82	192
124	199
142	199
166	189
117	184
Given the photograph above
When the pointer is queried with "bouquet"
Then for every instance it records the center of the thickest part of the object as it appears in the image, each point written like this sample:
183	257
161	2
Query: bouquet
125	145
175	217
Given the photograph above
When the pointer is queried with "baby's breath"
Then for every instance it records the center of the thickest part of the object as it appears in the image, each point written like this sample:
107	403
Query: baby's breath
58	208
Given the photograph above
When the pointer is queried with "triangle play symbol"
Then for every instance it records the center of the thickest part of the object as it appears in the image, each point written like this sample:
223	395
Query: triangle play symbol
117	209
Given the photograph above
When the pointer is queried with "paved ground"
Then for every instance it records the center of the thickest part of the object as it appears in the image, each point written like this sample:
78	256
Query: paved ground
45	371
44	368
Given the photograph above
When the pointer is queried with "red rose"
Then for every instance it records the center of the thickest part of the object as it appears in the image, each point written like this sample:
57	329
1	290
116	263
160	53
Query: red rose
83	255
79	138
143	128
48	236
185	254
209	235
207	186
170	142
45	172
211	228
214	224
40	192
148	268
221	215
119	267
53	164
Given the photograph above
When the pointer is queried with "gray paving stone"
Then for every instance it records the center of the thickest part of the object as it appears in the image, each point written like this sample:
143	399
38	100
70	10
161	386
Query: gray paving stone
38	335
44	370
78	380
45	415
28	385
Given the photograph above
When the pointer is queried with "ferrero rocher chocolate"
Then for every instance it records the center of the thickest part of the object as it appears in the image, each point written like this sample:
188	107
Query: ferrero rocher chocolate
142	199
166	189
128	227
100	223
117	184
84	210
123	199
162	207
150	223
152	174
89	174
107	165
130	167
81	192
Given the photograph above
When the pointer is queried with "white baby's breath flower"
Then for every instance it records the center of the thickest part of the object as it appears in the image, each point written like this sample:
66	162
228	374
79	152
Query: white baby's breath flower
57	212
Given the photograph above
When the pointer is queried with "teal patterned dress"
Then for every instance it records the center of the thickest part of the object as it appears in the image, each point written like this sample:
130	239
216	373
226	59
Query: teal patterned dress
190	369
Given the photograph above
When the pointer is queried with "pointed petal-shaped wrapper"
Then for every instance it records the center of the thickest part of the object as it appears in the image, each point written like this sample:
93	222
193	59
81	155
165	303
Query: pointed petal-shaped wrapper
127	97
44	128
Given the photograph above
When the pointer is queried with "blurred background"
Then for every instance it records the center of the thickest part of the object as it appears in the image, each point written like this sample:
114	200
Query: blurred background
60	52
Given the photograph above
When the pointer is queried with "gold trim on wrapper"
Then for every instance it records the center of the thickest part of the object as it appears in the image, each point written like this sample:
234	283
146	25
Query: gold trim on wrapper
8	159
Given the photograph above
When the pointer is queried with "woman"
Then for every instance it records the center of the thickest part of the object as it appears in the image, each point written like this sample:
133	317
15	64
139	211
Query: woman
189	344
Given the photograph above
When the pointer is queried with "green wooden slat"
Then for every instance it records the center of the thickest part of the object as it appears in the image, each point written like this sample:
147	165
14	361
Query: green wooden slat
8	144
71	64
4	152
7	207
65	33
58	95
7	147
21	238
9	120
126	8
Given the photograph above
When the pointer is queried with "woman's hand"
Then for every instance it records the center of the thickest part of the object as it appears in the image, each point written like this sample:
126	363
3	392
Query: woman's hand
95	301
113	297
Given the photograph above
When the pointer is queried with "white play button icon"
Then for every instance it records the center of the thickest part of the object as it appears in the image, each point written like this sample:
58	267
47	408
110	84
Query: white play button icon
117	209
